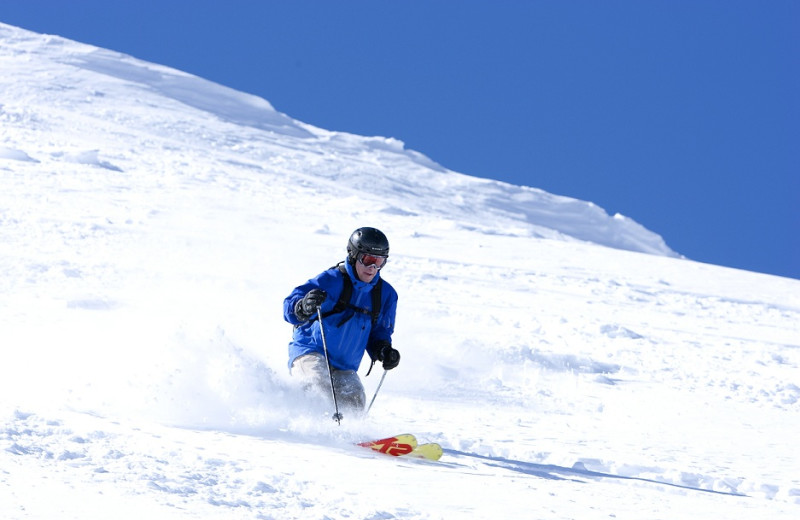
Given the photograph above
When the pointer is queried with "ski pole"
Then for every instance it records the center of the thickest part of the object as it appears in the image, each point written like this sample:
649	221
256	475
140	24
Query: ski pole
376	392
336	416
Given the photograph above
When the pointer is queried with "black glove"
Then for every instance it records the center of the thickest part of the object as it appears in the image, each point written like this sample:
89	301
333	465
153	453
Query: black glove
389	356
307	307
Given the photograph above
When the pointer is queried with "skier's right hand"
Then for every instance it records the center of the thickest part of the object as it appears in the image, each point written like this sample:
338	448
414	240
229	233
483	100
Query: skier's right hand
307	307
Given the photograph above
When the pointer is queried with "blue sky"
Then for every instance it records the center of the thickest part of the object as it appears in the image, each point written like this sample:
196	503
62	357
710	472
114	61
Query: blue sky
683	115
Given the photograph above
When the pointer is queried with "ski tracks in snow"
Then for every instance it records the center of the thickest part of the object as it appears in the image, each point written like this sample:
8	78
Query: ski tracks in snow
161	472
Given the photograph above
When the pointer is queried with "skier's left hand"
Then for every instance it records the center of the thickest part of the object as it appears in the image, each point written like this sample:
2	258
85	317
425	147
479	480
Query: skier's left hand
389	356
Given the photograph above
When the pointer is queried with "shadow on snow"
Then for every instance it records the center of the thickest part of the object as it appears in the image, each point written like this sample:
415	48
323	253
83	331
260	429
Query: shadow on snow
553	472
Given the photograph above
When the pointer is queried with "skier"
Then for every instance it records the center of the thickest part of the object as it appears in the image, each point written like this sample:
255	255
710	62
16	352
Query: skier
358	312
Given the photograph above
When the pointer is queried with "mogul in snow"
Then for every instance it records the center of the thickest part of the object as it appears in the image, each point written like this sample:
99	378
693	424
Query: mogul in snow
357	312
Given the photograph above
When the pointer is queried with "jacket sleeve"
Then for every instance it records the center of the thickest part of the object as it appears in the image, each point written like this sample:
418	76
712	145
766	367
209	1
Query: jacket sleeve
325	281
291	301
382	331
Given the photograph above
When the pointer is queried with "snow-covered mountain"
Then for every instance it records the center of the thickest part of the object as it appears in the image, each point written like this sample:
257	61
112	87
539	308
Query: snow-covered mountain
569	362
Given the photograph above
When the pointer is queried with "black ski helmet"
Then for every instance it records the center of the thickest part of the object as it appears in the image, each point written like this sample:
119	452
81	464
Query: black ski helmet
367	240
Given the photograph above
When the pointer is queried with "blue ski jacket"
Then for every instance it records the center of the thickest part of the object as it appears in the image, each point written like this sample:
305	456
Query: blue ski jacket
348	334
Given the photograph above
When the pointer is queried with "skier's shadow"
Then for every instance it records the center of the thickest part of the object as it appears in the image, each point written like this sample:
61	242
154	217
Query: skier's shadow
576	473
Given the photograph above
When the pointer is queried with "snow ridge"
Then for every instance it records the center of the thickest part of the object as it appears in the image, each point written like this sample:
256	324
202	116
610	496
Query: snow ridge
388	170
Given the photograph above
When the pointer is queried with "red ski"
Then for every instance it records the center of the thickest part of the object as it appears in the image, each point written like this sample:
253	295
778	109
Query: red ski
404	445
394	446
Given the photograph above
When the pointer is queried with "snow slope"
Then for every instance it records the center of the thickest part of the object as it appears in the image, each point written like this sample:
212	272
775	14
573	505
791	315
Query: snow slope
570	363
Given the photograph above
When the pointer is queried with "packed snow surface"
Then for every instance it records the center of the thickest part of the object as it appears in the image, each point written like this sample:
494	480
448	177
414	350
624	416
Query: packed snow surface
570	363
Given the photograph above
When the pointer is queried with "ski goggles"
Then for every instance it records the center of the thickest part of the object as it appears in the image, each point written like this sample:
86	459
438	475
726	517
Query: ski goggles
372	260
